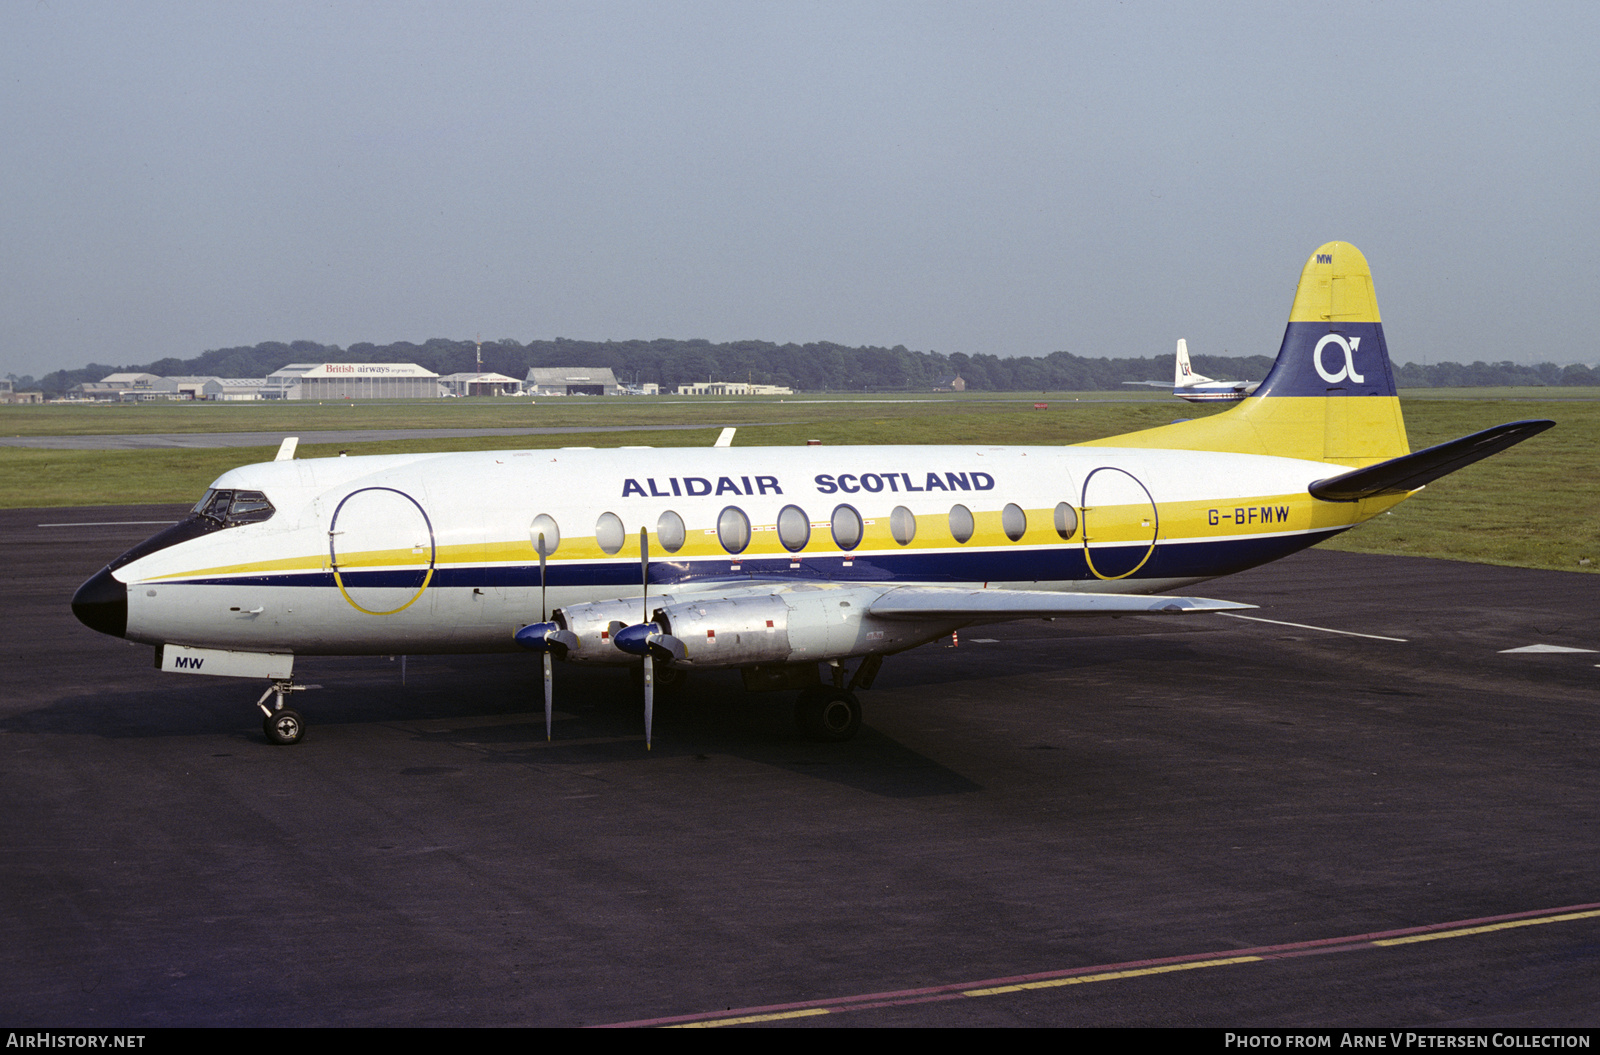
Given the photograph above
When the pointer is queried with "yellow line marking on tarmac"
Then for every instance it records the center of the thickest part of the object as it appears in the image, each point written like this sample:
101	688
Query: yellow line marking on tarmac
1108	976
1304	626
1135	969
1463	932
714	1022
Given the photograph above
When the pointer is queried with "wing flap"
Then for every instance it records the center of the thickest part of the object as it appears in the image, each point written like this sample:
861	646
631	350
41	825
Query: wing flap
921	602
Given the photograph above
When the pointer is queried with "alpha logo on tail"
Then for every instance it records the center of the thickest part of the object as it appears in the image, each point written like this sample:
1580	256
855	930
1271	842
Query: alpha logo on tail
1348	370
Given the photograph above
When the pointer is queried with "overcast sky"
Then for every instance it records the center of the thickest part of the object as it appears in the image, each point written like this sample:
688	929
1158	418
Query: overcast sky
1005	178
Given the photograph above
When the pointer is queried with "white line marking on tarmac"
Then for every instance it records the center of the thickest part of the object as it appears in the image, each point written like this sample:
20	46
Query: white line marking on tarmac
1303	626
110	523
1544	648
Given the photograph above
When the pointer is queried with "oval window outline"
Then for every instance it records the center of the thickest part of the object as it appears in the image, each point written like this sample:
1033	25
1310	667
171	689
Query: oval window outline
1152	522
333	551
903	525
846	520
733	529
962	524
546	525
670	532
794	528
609	534
1066	520
1014	521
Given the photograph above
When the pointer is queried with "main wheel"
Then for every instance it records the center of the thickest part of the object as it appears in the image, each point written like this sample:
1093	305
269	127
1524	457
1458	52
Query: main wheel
828	714
283	727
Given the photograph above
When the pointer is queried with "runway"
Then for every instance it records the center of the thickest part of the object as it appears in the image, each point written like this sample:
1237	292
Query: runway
196	440
1255	808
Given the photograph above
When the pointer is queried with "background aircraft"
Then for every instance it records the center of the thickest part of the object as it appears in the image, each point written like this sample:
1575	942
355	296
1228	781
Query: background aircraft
1197	388
787	563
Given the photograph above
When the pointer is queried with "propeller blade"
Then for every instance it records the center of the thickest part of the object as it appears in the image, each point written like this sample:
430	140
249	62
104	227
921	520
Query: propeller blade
549	674
549	694
544	609
649	697
649	664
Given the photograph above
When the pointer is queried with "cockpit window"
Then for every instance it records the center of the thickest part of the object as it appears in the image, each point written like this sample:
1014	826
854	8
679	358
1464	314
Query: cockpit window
231	508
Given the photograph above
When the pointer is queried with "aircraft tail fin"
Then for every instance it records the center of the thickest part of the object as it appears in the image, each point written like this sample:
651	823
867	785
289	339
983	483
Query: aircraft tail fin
1330	395
1183	374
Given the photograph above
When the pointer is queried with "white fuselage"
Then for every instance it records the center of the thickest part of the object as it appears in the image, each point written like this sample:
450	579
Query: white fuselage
436	552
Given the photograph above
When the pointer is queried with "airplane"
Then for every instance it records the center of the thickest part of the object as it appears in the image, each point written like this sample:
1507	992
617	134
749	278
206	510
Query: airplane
1197	388
784	563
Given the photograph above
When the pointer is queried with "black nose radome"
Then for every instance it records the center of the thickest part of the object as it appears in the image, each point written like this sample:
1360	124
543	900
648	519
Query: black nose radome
102	604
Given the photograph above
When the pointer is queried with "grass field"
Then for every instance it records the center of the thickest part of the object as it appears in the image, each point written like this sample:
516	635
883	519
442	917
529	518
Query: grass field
1533	506
290	418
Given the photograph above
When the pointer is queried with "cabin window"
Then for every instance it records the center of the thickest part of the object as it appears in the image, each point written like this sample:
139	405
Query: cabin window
733	529
670	532
794	528
1014	522
847	528
1066	520
609	533
903	525
544	525
961	524
232	508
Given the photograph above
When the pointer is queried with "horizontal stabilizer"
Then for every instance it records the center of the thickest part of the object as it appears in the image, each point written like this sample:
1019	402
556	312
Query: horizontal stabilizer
920	602
1411	471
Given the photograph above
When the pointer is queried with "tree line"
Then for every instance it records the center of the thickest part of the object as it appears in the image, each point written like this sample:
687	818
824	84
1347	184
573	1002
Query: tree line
815	367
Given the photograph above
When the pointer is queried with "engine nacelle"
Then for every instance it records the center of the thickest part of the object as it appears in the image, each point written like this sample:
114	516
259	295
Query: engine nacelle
596	623
797	625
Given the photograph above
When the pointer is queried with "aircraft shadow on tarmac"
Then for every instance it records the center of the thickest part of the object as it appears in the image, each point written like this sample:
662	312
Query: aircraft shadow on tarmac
491	704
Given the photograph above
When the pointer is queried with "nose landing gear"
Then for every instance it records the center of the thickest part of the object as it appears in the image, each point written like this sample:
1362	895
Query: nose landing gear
282	725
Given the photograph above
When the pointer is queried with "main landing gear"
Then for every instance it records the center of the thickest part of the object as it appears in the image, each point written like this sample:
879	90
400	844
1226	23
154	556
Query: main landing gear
281	724
832	713
827	714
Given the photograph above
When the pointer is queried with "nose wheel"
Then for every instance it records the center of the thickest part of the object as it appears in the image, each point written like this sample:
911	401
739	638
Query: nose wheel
282	725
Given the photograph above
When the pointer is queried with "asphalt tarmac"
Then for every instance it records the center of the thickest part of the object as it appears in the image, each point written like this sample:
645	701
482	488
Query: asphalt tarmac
1196	821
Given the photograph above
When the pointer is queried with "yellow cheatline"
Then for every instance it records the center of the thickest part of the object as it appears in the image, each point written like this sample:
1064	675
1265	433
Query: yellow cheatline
1463	932
315	562
712	1023
1109	976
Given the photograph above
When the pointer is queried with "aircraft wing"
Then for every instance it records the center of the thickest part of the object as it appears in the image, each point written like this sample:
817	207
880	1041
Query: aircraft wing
1411	471
920	602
